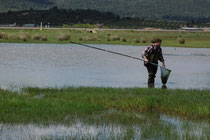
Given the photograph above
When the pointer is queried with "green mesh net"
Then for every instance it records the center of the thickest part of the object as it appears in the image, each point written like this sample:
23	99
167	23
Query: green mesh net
164	74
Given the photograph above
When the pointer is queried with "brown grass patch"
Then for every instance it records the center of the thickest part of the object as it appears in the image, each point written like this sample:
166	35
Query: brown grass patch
115	38
24	36
181	41
137	41
3	35
37	37
90	39
64	37
143	40
123	40
44	38
13	36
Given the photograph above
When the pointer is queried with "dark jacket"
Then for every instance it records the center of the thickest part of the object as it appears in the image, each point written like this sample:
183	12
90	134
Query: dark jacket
153	53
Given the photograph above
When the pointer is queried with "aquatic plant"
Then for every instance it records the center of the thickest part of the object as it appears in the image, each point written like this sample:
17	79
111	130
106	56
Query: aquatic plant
35	104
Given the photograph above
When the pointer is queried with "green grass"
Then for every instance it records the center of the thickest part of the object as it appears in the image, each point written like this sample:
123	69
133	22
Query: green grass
61	105
170	38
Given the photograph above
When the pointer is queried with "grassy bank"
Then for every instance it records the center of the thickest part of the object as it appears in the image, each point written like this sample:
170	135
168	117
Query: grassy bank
124	37
62	105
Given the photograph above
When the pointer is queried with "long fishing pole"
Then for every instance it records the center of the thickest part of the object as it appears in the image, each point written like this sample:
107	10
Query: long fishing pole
107	51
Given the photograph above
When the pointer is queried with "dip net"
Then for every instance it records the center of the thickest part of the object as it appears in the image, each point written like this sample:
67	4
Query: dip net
164	74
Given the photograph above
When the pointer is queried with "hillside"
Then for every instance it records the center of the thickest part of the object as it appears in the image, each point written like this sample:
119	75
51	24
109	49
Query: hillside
77	18
185	10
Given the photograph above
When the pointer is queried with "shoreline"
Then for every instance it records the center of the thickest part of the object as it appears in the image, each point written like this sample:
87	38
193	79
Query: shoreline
105	36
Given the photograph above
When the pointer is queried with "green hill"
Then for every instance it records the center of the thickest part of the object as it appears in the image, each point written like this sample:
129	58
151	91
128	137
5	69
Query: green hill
16	5
184	10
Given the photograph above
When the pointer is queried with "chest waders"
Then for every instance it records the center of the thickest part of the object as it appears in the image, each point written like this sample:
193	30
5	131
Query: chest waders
152	55
152	70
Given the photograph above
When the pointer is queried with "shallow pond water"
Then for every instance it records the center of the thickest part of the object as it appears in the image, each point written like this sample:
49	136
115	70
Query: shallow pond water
148	126
56	65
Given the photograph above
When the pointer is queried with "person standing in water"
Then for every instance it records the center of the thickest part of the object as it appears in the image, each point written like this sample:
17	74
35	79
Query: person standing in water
152	54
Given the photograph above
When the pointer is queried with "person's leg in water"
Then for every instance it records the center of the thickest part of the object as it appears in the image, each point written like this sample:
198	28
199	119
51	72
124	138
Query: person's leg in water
152	70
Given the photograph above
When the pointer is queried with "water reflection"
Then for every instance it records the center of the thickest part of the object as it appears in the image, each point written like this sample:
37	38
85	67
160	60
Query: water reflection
164	87
144	126
153	86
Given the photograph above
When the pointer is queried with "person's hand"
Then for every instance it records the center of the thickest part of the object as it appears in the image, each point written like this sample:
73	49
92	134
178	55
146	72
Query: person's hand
163	64
146	60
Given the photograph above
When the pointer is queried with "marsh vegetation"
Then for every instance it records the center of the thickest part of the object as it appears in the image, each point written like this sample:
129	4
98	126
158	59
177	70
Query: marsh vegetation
108	112
123	37
60	105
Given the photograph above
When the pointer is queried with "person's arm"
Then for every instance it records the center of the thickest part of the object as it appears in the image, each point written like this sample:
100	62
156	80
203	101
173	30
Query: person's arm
145	59
162	59
144	54
163	64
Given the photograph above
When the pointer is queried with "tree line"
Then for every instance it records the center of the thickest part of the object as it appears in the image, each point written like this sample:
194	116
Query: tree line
58	17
